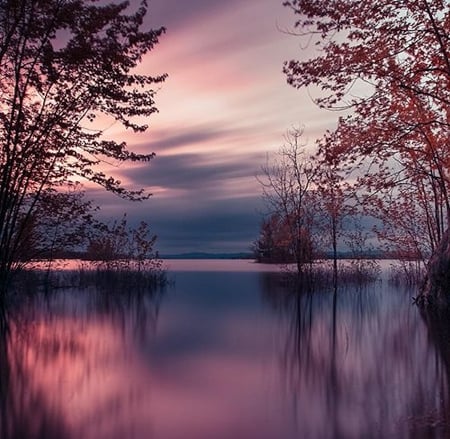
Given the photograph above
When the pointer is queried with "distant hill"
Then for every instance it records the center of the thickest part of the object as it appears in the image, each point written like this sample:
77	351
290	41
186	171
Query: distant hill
201	255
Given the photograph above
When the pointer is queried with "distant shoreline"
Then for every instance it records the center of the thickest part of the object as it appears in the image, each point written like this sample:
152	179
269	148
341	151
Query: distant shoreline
203	255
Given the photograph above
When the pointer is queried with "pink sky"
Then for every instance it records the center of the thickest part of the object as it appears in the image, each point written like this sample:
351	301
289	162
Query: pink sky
224	106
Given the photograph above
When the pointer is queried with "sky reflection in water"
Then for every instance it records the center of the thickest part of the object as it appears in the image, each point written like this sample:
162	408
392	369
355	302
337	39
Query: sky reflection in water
224	354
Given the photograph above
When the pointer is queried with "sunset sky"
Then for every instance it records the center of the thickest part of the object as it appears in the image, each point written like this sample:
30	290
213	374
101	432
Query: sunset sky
223	108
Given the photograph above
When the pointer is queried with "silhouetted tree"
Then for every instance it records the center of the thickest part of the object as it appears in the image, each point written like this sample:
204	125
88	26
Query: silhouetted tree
61	223
120	246
123	257
64	63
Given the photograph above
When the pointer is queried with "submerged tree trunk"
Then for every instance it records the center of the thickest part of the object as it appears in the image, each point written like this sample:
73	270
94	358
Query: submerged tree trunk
436	288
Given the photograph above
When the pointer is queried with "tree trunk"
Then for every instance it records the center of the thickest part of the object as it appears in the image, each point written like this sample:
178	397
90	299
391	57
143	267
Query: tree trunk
5	278
334	239
436	288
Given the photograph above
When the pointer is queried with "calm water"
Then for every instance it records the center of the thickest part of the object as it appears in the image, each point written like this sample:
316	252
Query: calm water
227	351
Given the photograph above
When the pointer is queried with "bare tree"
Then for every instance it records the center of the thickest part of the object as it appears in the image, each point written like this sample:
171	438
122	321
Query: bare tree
287	183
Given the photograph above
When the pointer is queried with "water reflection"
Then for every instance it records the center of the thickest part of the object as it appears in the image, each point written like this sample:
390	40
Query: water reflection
436	423
67	368
358	363
230	354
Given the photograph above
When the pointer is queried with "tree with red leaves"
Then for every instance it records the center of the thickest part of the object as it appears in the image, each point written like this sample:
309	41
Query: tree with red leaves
388	64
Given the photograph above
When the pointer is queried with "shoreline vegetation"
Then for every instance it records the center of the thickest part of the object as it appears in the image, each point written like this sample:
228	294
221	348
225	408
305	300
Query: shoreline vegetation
115	276
122	273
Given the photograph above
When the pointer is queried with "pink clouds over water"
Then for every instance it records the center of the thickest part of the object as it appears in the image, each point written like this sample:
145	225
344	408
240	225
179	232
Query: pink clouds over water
224	106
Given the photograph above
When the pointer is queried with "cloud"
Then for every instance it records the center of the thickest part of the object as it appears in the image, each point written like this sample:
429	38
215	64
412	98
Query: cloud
192	223
224	106
210	225
194	172
175	14
174	140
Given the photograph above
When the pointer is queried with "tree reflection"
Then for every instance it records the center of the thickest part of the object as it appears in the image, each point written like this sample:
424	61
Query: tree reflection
357	362
437	423
67	360
23	411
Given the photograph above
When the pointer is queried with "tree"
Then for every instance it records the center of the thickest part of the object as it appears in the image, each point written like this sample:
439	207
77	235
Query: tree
332	205
64	63
287	183
396	54
61	222
275	242
120	247
411	220
268	248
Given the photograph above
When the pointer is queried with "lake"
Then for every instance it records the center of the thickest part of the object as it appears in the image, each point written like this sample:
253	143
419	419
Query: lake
227	350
